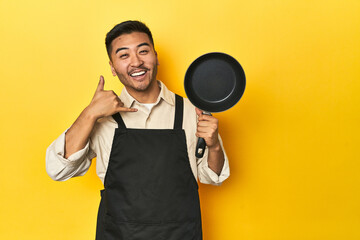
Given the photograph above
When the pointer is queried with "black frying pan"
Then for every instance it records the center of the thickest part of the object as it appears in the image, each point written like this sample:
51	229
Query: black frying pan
214	82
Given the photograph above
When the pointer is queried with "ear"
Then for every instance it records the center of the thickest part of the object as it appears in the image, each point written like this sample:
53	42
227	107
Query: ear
112	69
157	60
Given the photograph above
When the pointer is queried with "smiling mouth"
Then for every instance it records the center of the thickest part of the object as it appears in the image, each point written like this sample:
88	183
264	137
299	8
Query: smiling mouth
137	74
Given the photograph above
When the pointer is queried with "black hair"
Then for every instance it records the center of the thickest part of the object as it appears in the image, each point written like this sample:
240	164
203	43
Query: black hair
126	28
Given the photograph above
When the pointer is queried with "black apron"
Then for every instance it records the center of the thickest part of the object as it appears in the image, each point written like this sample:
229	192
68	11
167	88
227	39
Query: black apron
150	190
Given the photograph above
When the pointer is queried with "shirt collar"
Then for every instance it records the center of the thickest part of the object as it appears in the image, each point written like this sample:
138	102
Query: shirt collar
165	94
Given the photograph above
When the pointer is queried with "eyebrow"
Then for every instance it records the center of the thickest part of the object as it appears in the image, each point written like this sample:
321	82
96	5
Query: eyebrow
125	48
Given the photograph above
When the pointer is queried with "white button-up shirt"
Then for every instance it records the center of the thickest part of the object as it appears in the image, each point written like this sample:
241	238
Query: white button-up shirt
161	116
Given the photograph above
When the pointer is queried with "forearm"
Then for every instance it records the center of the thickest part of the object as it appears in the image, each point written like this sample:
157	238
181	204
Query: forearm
216	158
78	134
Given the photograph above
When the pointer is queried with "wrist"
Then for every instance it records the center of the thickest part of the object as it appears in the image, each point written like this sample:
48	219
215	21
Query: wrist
215	148
89	115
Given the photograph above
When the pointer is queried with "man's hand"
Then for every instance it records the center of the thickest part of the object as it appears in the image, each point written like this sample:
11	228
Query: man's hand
207	128
103	104
106	103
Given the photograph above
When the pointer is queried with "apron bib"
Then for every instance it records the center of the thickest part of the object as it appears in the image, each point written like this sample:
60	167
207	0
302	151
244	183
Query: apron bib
150	190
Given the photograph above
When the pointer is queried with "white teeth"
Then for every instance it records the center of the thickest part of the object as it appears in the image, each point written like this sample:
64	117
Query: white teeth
137	74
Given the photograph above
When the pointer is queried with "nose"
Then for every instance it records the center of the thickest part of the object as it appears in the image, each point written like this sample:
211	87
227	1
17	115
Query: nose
136	61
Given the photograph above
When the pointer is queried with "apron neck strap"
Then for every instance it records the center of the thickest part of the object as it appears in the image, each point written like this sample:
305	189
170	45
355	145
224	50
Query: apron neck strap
179	110
117	117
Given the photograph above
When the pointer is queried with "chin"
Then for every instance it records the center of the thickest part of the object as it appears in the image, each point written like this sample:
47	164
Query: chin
144	85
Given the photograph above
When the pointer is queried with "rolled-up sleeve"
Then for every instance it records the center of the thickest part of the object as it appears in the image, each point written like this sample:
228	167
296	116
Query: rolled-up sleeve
60	168
208	176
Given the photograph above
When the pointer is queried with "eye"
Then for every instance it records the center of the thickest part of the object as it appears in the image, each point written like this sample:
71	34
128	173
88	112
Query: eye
144	52
125	55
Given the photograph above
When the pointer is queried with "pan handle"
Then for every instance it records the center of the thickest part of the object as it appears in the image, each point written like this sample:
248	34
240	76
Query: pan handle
201	144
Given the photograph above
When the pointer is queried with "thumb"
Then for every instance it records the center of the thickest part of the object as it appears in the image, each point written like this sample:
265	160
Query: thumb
100	86
198	111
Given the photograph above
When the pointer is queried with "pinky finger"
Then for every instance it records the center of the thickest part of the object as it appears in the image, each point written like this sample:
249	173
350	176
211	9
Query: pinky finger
123	109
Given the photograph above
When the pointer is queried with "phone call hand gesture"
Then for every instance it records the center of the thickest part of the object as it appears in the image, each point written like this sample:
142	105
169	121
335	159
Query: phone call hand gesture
106	103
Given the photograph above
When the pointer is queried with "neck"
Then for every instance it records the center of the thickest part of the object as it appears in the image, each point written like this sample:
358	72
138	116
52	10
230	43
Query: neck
150	95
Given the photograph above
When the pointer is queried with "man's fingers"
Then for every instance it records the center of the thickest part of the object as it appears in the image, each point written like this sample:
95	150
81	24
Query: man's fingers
125	109
101	84
198	111
207	124
205	117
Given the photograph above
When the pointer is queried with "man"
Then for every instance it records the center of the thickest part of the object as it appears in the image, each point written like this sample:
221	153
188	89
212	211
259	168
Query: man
144	142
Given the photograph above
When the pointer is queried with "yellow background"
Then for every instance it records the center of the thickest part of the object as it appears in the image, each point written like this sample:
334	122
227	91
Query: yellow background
291	140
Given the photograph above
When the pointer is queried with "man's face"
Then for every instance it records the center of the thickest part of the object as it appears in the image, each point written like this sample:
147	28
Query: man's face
134	61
